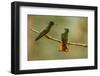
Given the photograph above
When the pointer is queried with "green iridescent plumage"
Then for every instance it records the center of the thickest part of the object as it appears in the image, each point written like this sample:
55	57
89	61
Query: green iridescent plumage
45	31
64	36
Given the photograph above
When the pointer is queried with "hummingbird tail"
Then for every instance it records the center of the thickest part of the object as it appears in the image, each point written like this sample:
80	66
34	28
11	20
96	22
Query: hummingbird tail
37	38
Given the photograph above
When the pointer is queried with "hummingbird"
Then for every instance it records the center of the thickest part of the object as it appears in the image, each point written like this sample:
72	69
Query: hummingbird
45	31
64	39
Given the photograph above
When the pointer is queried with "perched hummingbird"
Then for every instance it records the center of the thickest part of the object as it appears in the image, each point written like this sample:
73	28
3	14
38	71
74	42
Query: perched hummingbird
45	31
64	39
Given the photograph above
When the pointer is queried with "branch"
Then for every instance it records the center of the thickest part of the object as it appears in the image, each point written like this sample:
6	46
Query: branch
54	39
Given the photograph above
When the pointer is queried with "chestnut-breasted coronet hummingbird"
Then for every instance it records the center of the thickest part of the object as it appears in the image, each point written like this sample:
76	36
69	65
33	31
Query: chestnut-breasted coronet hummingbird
45	31
64	39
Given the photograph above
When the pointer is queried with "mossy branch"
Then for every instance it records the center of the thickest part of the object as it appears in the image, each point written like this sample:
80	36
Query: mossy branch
54	39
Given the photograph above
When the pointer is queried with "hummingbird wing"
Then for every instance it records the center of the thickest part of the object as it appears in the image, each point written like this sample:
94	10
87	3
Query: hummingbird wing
44	32
64	39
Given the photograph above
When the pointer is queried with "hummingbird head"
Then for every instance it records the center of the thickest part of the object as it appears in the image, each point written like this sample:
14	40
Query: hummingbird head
51	23
66	29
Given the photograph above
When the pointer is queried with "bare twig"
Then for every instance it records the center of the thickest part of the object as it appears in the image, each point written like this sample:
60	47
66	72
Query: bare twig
54	39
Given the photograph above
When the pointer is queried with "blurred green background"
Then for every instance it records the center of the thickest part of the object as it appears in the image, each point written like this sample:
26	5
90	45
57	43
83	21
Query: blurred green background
45	49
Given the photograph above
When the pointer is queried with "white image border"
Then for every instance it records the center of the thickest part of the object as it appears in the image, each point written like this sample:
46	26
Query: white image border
25	64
